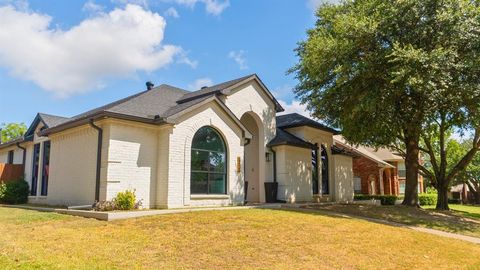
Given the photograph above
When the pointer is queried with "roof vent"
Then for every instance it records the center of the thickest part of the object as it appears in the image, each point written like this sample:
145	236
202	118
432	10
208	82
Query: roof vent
203	87
149	85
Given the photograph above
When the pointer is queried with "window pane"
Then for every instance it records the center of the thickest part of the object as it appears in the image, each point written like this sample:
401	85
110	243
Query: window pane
198	183
207	138
217	162
200	160
217	183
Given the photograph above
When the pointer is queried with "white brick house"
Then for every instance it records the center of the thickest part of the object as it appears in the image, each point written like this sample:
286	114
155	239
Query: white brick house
182	149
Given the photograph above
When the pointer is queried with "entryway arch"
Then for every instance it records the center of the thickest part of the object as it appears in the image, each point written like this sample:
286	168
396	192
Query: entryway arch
253	157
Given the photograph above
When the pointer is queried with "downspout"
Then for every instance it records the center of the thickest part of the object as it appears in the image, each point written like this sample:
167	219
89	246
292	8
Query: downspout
99	159
24	154
274	165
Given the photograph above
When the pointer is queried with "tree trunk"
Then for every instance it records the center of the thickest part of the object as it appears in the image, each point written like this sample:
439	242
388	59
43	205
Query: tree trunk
411	167
442	197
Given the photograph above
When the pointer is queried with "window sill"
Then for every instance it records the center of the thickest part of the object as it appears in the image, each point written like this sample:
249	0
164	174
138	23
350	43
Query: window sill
209	197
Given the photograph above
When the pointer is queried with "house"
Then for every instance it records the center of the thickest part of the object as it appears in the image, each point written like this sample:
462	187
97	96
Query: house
378	171
215	146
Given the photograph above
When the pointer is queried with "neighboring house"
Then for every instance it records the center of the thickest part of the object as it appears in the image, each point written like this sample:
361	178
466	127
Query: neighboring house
177	149
378	171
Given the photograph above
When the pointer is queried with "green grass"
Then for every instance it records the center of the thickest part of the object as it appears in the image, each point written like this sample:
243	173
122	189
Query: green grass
462	219
230	239
468	211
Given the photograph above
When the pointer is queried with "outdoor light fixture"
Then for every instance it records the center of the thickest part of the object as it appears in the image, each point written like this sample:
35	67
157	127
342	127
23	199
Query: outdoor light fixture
267	156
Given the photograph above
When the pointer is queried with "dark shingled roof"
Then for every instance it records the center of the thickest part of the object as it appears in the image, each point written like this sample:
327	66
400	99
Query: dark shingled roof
215	89
337	150
150	106
52	120
285	138
297	120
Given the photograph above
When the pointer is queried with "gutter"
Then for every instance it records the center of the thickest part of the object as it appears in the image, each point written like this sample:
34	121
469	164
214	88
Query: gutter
99	159
24	153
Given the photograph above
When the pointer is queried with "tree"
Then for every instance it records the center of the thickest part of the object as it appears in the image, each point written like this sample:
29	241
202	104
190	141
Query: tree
12	131
386	71
471	175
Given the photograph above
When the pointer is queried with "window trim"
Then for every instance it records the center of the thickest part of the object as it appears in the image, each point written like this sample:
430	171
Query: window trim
209	173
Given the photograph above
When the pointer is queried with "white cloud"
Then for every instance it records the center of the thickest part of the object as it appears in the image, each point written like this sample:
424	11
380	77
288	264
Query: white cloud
143	3
283	92
184	59
199	83
294	107
171	12
66	62
92	7
239	58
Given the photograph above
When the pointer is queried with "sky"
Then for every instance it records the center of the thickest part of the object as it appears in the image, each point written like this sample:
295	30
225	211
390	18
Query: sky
66	57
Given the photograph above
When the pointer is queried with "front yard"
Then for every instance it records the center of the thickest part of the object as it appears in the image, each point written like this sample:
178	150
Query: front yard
462	219
233	239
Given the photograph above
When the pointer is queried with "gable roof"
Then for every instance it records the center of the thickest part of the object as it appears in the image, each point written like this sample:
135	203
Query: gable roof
226	87
283	137
362	151
297	120
48	121
154	106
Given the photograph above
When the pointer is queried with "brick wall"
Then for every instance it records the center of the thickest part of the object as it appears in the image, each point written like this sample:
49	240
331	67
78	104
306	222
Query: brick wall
365	169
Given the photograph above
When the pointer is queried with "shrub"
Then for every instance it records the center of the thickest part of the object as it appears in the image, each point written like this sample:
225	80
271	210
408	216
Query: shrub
125	200
384	199
427	199
14	192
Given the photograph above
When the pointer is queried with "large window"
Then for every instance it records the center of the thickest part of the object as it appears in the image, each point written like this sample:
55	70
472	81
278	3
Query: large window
35	167
325	179
315	171
401	170
46	167
11	154
209	168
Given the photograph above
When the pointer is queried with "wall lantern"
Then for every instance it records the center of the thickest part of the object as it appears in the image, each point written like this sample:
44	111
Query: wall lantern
268	156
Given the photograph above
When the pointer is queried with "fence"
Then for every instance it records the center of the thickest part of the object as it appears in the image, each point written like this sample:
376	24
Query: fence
10	172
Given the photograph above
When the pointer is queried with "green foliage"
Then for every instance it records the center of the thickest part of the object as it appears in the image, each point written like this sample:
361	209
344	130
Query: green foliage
125	200
14	192
431	190
12	131
384	199
391	72
427	199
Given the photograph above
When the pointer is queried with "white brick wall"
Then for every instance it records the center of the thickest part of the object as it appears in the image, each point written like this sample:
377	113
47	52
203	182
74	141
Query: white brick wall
17	155
132	161
251	98
343	178
72	167
180	141
294	174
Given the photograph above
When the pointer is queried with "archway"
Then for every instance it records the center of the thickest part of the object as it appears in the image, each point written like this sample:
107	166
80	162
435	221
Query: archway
252	159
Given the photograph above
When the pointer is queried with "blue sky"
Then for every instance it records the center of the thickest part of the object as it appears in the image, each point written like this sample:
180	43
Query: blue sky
65	57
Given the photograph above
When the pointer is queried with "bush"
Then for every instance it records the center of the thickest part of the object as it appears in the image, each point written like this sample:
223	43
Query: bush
14	192
427	199
384	199
125	200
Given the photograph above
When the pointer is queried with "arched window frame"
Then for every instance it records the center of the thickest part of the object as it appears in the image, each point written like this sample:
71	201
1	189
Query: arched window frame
208	172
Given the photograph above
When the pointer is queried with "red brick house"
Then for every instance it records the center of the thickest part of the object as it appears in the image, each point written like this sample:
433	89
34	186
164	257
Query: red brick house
378	172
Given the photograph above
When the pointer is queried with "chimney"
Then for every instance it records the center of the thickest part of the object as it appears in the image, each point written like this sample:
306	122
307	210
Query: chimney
149	85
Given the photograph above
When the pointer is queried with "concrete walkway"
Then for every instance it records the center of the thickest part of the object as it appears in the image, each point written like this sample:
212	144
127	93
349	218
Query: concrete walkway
457	236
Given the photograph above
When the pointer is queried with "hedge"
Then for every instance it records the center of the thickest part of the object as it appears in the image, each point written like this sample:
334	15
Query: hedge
427	199
14	192
384	199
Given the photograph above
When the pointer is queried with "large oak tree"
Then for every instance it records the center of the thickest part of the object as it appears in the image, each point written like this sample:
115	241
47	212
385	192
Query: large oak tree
389	73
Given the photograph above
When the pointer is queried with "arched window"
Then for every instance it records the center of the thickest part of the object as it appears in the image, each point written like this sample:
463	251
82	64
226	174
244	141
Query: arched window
325	179
209	167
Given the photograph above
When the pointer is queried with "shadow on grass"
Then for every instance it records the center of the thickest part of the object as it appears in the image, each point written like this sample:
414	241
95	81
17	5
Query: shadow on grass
400	216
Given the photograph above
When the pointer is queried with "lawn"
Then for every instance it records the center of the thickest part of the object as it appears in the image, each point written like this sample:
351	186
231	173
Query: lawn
462	219
232	239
